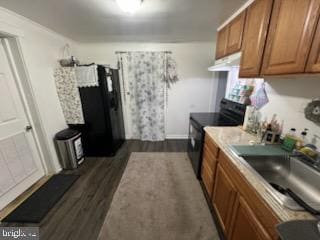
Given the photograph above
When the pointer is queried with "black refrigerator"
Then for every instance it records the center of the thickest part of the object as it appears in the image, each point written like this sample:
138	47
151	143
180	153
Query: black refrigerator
103	132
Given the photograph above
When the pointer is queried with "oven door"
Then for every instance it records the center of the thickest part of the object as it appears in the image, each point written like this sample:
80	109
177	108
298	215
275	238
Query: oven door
195	145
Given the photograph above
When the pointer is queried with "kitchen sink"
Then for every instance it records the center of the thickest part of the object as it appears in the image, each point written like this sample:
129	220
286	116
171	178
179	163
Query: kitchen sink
279	173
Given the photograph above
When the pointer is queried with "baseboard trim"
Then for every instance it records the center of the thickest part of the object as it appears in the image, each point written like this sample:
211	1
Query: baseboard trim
173	136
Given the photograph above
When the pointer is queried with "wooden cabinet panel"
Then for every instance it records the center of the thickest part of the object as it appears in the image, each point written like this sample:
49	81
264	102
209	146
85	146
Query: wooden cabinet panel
254	39
221	48
290	36
223	198
234	198
207	178
262	210
313	65
208	170
235	28
212	146
244	224
208	157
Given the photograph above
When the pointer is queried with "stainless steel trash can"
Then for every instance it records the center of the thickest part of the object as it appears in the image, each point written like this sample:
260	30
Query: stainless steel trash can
69	148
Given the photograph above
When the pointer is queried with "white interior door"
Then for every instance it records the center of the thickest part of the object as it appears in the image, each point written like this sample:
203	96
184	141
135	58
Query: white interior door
20	163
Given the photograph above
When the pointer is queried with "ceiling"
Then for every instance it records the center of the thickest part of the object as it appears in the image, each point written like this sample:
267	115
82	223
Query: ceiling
103	21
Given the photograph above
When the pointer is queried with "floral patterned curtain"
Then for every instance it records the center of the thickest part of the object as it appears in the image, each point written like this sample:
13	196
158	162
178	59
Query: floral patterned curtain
145	73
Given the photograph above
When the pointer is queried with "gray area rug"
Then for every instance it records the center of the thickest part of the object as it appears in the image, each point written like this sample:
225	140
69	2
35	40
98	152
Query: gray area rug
158	197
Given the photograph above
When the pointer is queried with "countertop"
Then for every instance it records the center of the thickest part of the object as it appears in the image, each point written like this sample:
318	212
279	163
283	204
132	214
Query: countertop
226	136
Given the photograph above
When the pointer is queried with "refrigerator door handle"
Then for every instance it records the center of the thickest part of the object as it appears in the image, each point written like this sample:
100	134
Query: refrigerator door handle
116	101
112	92
109	84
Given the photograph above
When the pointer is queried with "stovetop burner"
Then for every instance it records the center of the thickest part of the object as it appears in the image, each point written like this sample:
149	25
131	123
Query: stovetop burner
231	114
212	119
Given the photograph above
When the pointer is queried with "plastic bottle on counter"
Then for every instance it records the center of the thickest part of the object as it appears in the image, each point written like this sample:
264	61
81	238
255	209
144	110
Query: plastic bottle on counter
304	134
290	140
248	117
292	132
302	140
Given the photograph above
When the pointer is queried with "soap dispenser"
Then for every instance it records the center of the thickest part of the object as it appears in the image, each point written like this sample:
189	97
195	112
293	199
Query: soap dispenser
302	140
290	140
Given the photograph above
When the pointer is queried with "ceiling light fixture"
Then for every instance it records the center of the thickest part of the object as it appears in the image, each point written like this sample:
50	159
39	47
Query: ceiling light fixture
129	6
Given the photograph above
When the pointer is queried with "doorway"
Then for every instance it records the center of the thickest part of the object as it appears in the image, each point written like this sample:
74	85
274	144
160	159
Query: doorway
143	75
20	160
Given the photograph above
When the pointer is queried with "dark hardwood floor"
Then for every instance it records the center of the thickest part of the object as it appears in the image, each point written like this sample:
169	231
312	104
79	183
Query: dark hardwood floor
80	214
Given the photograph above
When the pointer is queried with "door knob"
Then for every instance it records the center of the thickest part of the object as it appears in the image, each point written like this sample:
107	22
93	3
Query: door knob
28	128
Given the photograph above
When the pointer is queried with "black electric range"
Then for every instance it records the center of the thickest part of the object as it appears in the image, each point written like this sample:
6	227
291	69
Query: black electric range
231	114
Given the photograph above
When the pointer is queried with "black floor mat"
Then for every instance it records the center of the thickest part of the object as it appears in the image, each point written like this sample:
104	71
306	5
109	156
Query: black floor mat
36	207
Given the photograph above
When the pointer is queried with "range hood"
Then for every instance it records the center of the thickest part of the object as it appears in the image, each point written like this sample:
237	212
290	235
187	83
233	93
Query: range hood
226	64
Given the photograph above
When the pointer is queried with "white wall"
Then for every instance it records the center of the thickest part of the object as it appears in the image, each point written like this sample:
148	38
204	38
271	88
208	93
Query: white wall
191	94
288	98
41	49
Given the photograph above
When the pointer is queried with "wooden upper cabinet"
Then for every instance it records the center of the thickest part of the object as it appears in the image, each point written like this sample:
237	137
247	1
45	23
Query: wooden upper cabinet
223	198
313	65
221	49
235	28
292	28
255	35
245	224
229	38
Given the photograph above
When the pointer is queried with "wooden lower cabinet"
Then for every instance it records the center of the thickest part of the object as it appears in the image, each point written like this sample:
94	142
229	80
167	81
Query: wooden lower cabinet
263	214
223	198
211	146
244	223
209	165
241	212
207	178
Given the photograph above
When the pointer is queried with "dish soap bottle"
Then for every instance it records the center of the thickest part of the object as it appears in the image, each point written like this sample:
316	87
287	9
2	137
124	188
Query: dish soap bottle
302	140
290	140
